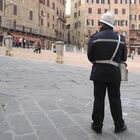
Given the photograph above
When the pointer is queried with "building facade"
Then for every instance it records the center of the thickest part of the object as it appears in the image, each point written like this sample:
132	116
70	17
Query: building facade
86	13
44	19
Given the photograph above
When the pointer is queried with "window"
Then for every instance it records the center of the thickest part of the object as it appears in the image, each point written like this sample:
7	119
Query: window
57	11
1	5
75	5
90	1
31	15
63	2
75	15
48	24
42	21
76	25
102	1
53	5
90	22
48	3
15	10
90	10
132	1
97	1
79	2
122	22
123	11
118	22
107	1
14	24
116	11
63	26
132	17
0	20
53	26
42	13
115	1
123	1
133	26
115	23
99	11
42	1
79	13
48	15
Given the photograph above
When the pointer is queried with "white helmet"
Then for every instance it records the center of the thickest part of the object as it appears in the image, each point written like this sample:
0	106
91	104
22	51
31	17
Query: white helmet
107	18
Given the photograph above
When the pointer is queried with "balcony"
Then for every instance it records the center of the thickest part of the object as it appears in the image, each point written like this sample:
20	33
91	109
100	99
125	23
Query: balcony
7	23
12	25
60	17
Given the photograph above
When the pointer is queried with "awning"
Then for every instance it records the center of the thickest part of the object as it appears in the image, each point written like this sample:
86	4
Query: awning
25	36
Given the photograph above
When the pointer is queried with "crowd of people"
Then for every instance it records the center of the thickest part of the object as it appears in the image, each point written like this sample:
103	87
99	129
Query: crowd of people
21	42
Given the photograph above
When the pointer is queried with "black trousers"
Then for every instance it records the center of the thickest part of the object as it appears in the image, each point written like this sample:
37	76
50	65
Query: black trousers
99	102
37	50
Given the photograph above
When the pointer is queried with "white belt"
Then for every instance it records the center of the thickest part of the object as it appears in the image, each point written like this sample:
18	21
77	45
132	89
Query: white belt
107	62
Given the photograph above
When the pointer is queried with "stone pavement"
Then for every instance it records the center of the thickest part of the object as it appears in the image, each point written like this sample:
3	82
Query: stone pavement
40	100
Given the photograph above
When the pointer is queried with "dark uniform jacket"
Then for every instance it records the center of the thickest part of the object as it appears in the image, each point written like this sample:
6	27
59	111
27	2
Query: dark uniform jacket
101	46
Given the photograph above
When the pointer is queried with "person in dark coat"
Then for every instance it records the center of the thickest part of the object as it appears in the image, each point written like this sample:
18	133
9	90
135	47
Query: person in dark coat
106	76
38	46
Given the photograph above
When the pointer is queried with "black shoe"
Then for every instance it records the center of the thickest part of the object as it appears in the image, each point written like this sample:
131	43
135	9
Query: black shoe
121	129
96	129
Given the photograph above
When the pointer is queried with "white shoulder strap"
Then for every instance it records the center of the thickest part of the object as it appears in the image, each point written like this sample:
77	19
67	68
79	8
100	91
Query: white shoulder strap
119	38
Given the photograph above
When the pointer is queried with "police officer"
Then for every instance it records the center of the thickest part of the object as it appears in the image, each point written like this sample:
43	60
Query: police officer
106	76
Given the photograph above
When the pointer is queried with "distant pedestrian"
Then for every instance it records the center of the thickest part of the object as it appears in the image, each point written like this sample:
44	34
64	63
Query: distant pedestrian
23	42
106	75
1	38
28	43
8	43
132	54
38	46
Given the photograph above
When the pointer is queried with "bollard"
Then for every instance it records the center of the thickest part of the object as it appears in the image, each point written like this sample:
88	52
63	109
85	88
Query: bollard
64	48
52	47
74	49
59	52
82	49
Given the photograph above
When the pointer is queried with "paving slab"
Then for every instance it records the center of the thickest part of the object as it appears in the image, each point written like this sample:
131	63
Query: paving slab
41	100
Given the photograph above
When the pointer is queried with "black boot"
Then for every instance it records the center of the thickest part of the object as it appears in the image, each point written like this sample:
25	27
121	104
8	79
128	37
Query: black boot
120	130
96	128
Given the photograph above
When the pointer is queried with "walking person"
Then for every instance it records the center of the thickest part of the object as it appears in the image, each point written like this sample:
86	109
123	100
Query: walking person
1	38
8	43
37	46
132	54
105	75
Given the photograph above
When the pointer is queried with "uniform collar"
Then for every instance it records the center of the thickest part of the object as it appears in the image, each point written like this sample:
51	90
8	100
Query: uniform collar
105	27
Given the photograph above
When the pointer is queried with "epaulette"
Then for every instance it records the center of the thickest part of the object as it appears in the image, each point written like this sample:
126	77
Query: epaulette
94	34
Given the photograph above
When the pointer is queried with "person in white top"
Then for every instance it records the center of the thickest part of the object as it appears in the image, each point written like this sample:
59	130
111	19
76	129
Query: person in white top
8	42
